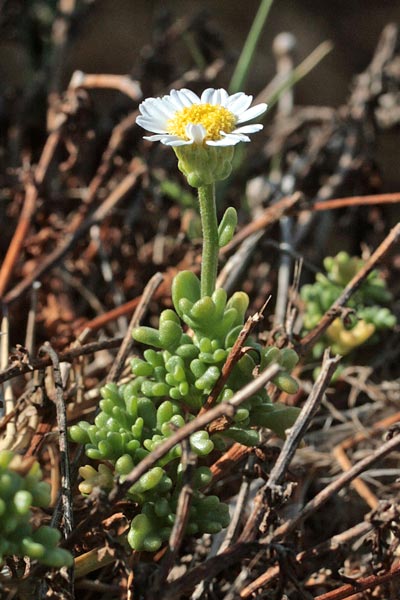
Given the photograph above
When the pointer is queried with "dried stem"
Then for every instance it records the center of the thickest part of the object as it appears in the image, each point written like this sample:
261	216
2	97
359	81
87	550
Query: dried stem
234	355
360	585
319	500
66	483
35	364
28	209
357	201
359	485
129	181
308	559
122	83
125	348
266	494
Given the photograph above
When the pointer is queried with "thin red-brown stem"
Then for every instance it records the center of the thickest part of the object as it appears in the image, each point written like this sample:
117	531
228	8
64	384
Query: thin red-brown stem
357	201
271	215
307	559
128	182
34	364
337	484
235	354
27	211
360	585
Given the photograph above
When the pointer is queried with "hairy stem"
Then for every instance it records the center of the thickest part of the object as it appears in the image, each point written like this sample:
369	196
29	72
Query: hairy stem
209	224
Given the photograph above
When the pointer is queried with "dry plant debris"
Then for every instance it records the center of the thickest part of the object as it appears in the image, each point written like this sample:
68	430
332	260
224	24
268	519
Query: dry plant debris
94	237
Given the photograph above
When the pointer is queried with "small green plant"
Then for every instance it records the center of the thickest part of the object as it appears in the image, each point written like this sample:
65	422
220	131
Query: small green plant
369	317
184	357
21	488
171	385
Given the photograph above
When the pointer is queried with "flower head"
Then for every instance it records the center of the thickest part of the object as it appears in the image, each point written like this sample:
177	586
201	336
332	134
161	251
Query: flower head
183	118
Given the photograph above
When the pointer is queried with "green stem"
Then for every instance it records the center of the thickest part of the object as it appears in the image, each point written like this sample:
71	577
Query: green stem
209	263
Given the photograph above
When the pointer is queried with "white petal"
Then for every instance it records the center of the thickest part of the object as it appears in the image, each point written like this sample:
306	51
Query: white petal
238	103
229	140
149	106
252	112
165	110
146	102
196	133
154	125
155	138
207	95
218	97
168	103
176	99
154	110
178	142
170	138
224	97
188	97
241	136
248	128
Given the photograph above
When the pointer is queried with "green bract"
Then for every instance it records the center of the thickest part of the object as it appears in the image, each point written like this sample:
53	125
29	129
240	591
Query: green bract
20	489
170	385
203	165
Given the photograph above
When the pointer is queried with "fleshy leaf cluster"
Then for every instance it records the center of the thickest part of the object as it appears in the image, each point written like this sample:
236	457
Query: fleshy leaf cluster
171	383
369	317
21	488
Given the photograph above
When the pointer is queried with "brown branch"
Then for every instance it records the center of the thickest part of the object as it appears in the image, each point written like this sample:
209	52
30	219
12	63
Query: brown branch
360	585
234	355
141	308
292	204
122	83
358	484
66	483
356	201
27	210
69	356
308	559
129	181
271	215
229	460
291	443
336	485
309	340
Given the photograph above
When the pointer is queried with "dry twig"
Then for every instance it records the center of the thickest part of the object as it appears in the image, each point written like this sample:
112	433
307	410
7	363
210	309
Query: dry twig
319	500
266	494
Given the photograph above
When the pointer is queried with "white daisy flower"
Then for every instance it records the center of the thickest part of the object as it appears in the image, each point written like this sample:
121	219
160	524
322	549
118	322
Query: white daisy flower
183	118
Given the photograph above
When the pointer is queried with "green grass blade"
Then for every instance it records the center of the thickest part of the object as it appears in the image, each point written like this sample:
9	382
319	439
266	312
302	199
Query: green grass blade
242	68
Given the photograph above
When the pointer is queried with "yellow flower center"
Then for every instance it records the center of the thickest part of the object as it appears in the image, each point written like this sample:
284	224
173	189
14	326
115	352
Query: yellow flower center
214	119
